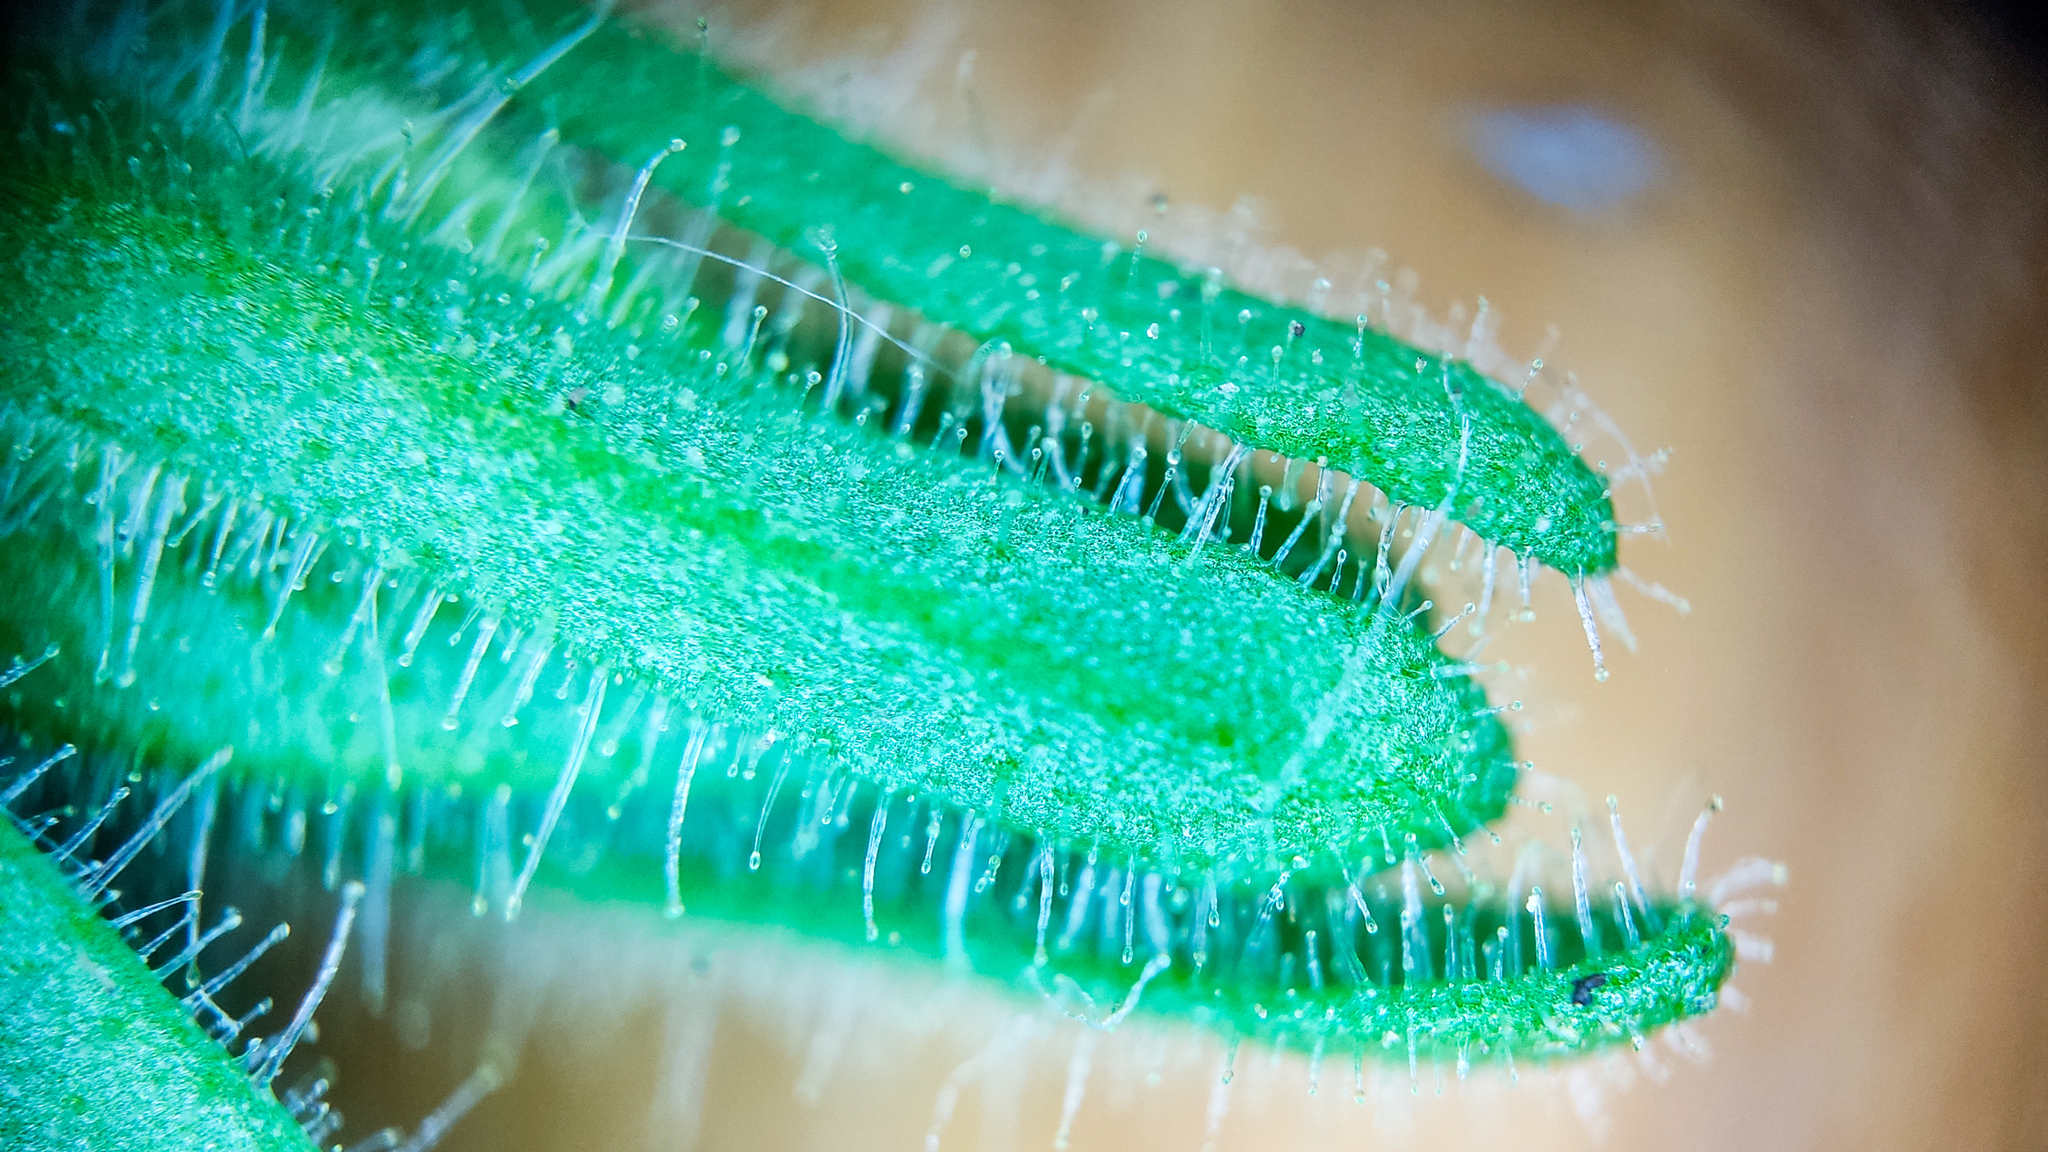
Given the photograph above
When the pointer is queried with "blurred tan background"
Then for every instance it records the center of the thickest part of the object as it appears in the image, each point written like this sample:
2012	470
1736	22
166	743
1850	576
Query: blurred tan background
1827	305
1825	301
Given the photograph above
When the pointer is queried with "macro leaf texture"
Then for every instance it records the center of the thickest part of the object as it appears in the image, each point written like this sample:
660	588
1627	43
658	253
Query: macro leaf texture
135	1070
502	543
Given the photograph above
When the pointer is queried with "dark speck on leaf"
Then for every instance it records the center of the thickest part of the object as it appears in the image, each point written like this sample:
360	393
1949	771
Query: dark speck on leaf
1582	988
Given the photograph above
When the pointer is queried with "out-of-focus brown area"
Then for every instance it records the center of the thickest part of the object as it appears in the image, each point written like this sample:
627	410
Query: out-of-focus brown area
1828	306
